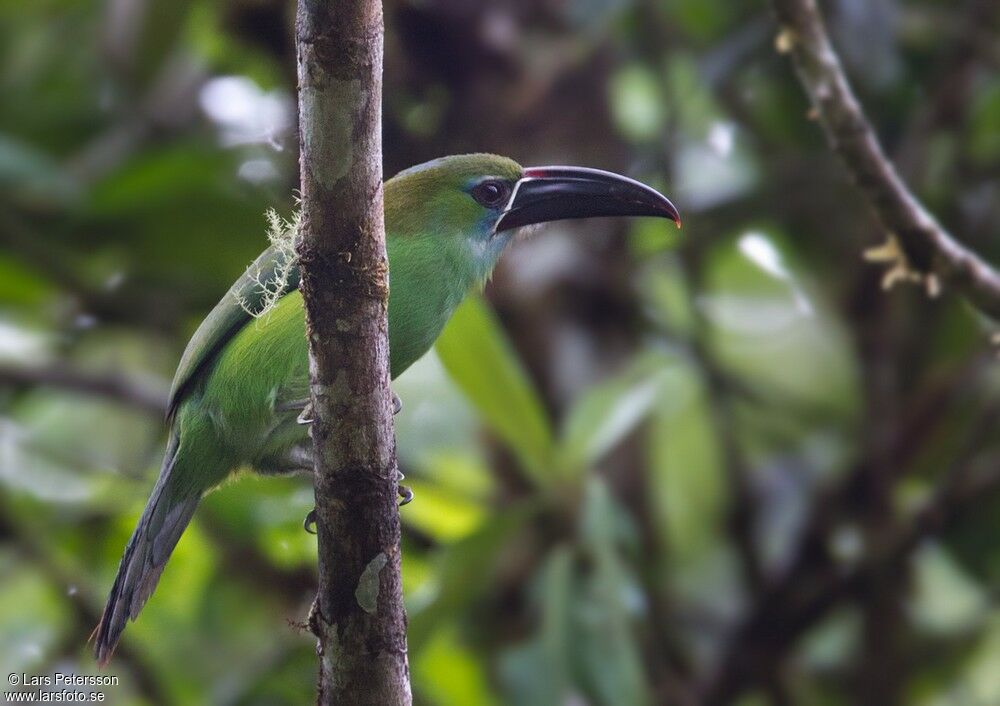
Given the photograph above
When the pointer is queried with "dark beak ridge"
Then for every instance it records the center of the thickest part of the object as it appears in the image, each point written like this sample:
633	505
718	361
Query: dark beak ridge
556	193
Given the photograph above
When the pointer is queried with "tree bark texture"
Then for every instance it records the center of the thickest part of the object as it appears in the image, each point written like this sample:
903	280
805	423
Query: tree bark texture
358	617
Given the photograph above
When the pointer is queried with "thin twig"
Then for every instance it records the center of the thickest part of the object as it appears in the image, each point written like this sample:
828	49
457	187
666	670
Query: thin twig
112	386
927	246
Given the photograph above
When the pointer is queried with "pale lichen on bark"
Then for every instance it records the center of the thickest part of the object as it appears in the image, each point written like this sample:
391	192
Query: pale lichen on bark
368	585
327	103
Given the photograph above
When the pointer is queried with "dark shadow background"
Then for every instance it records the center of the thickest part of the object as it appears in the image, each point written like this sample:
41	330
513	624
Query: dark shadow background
727	468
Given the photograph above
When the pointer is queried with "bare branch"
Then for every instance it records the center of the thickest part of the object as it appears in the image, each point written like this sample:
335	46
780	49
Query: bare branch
927	246
111	386
359	616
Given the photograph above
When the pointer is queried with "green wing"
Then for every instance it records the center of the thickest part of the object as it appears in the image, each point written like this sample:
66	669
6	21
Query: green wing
272	275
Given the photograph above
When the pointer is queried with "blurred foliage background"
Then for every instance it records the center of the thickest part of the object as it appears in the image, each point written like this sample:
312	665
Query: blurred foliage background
714	466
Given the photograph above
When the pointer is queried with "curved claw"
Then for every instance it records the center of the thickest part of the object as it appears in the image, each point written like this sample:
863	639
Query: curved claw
310	522
405	494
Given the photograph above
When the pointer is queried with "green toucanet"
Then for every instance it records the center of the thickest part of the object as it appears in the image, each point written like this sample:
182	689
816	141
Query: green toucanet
242	382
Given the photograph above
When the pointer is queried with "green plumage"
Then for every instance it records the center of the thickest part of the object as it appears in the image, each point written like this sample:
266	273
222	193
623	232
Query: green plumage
243	379
236	393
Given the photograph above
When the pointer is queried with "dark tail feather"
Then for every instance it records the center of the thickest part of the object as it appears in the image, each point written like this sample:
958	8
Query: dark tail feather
163	521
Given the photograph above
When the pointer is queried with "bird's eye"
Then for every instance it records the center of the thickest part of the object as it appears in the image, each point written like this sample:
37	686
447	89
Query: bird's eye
492	193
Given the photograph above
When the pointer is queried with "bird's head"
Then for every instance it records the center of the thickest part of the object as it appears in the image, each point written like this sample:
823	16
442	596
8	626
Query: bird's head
473	204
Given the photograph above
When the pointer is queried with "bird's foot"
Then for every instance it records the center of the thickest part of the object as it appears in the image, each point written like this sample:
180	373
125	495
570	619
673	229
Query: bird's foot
313	621
405	493
306	415
405	497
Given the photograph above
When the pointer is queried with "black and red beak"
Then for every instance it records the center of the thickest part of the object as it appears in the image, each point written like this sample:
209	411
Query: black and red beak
557	193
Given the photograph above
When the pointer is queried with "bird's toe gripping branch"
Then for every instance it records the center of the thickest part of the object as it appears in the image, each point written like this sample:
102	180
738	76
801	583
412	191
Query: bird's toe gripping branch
405	497
306	415
405	493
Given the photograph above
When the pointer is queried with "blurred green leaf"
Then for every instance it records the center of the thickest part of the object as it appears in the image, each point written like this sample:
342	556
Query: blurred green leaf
465	572
538	672
437	424
976	684
477	355
636	99
971	540
665	293
21	286
984	137
609	657
32	178
526	681
701	18
461	473
649	236
557	613
690	493
777	331
154	36
443	514
163	177
450	675
32	616
607	413
946	599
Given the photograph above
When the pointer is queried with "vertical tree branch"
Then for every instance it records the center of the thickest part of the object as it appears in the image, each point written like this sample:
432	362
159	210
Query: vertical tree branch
358	617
